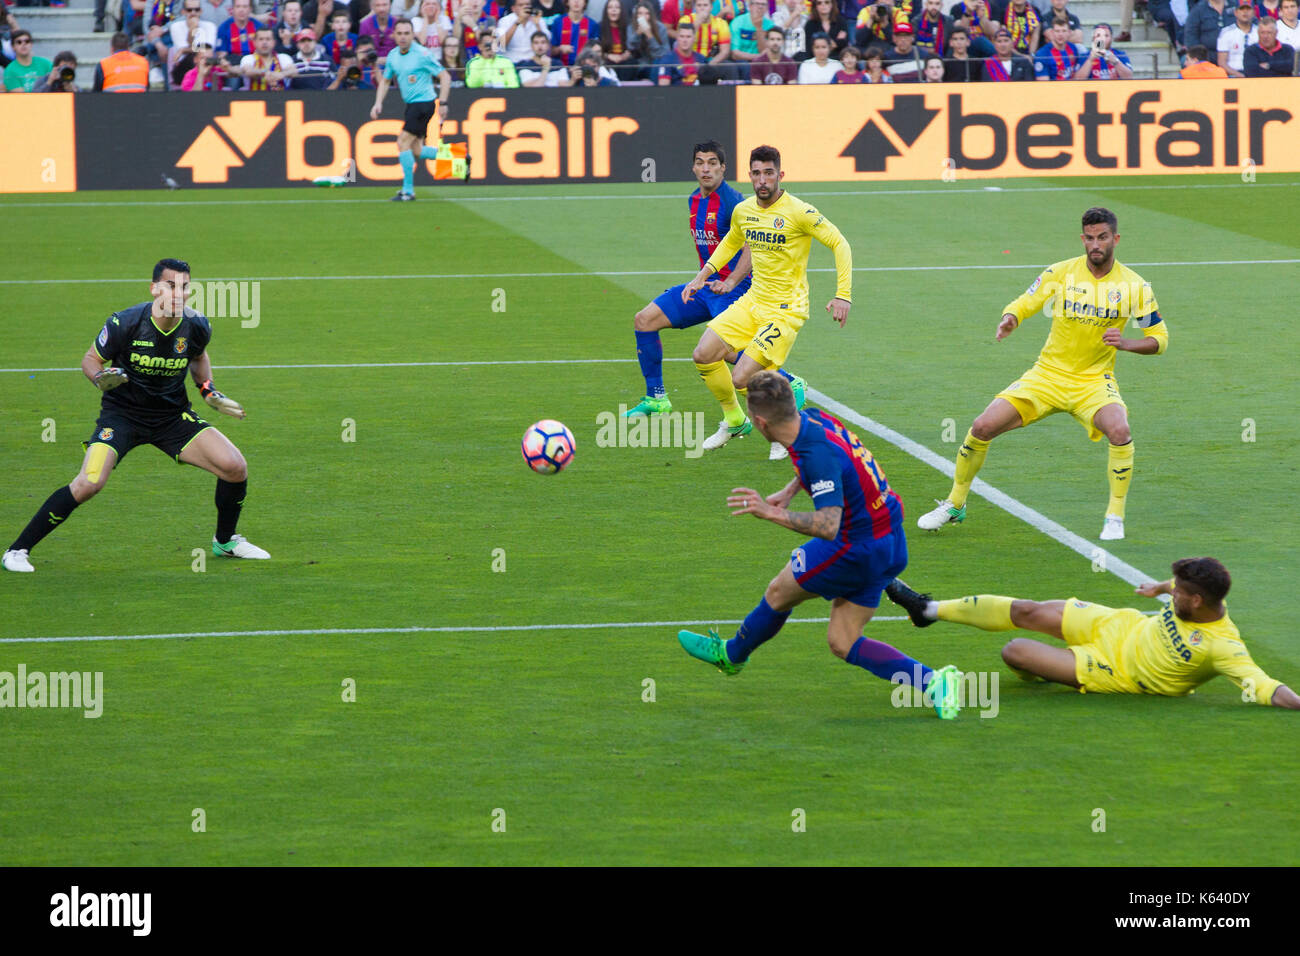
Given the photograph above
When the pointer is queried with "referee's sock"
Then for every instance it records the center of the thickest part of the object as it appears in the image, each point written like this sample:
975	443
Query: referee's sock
230	502
50	515
429	152
408	171
888	663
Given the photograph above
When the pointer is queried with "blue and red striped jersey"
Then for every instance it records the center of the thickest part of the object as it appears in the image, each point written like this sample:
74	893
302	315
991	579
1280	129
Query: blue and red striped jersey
710	220
837	470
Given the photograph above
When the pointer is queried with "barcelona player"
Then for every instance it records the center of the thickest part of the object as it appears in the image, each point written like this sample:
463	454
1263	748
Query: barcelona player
710	207
414	68
857	547
1119	650
1091	299
762	324
144	402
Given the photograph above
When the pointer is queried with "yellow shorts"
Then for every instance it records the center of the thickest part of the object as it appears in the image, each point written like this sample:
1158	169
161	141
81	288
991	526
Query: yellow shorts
763	333
1096	635
1039	393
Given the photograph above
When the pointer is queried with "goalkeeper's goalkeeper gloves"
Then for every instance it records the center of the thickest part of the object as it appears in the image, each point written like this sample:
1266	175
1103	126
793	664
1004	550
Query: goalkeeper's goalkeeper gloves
227	406
108	379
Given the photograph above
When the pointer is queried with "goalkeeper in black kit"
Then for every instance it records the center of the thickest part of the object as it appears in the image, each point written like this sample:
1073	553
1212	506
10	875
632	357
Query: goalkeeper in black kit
139	362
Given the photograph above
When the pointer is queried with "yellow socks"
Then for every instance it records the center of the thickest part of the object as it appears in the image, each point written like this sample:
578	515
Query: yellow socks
989	612
717	376
1119	469
969	459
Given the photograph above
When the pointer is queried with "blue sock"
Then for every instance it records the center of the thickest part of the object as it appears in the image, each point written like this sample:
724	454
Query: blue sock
888	663
761	625
408	171
429	152
650	353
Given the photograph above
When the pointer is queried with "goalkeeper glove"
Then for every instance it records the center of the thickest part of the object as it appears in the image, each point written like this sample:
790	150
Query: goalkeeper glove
227	406
109	378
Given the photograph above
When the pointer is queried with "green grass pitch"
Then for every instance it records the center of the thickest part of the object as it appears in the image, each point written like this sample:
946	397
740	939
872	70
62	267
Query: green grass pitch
400	527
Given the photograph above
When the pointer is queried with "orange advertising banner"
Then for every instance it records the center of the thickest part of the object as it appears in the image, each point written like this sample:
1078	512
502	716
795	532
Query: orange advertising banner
1086	128
39	152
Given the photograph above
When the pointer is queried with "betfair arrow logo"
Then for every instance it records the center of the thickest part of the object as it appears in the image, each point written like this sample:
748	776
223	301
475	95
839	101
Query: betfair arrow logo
871	148
210	157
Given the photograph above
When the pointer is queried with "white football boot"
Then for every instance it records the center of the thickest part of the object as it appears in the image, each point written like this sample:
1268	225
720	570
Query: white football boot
17	561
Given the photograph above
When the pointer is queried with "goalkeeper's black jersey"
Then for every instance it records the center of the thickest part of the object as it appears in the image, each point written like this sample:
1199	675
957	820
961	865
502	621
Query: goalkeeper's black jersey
155	362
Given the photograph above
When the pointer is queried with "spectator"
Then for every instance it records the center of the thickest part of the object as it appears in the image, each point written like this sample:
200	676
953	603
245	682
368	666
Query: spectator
432	25
648	40
515	31
368	61
875	25
614	36
56	81
1269	57
342	40
404	10
487	70
235	36
311	62
1057	10
1162	12
875	67
287	26
773	66
1006	64
190	28
1024	23
26	69
1206	21
453	52
1198	66
821	68
121	71
850	67
155	26
712	35
572	32
960	66
793	20
596	48
264	69
1104	62
214	11
972	16
550	9
827	21
932	29
590	69
379	26
680	66
1288	26
349	75
1234	39
932	70
539	69
208	72
902	60
749	33
1060	59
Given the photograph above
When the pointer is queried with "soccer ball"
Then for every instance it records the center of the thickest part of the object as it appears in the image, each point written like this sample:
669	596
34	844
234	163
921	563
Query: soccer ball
548	447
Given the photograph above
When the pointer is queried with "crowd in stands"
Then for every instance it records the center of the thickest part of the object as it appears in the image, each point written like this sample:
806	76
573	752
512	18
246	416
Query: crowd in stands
214	45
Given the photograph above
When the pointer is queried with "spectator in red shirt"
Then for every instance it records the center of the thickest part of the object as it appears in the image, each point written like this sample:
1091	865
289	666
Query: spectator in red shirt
850	60
772	65
237	34
682	64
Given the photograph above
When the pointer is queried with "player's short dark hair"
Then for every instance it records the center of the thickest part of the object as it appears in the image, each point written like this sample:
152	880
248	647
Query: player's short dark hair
771	396
956	30
1198	52
765	154
1099	215
1204	576
176	265
710	146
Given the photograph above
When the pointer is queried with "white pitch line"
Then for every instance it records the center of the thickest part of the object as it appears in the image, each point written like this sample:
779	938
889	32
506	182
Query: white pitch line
312	632
977	190
641	272
1088	549
599	361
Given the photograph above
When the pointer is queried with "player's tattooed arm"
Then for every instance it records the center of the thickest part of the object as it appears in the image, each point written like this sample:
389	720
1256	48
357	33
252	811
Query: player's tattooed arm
822	523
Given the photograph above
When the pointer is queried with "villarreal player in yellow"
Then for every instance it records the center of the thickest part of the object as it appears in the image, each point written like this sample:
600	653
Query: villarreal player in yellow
1119	650
760	327
1091	299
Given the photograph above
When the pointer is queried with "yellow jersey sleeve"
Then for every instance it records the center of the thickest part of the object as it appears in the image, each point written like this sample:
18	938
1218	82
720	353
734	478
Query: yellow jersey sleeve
1146	316
824	231
1232	660
1044	287
730	244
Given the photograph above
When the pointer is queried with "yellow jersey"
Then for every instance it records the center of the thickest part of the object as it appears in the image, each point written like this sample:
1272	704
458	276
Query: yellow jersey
1083	307
1169	656
780	238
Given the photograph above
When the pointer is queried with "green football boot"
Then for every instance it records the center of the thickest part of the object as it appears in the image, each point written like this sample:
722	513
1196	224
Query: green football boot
800	388
649	406
709	648
945	691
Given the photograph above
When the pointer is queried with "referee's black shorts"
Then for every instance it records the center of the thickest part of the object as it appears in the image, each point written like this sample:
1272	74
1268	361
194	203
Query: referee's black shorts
418	116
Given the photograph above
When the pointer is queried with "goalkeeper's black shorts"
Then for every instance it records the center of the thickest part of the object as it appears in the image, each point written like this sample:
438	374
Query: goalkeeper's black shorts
122	433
